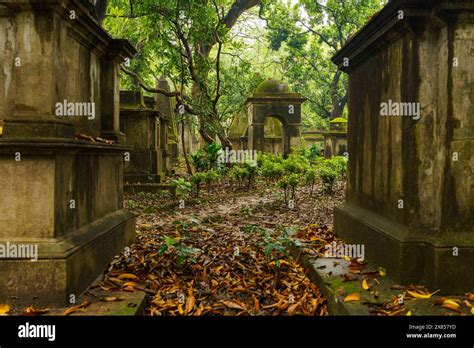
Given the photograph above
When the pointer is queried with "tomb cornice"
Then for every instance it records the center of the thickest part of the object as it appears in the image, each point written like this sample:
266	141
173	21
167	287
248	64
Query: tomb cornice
83	28
261	98
386	27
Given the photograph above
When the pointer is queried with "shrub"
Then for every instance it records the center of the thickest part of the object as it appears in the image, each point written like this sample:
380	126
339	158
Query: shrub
271	170
329	175
250	174
310	179
197	179
338	163
183	187
210	177
288	184
311	153
207	157
295	164
239	174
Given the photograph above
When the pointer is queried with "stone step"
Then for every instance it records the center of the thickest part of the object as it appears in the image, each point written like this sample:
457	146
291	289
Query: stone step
328	275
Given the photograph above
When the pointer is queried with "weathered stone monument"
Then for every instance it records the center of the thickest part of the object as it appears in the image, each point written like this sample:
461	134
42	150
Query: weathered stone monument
313	137
335	141
273	98
410	195
141	124
146	121
59	195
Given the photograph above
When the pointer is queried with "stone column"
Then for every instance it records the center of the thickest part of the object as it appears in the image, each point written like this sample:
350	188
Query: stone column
110	91
164	107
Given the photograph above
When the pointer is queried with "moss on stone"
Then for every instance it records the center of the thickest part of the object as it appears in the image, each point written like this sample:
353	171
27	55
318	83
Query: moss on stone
350	287
273	86
338	120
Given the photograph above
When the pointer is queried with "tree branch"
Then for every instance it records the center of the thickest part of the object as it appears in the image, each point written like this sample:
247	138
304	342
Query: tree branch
137	80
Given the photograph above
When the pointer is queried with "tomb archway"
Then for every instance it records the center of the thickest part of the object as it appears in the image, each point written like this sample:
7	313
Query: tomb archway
273	98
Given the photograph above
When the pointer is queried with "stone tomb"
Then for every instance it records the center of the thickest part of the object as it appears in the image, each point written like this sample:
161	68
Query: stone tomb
141	124
335	141
146	122
59	194
410	193
273	98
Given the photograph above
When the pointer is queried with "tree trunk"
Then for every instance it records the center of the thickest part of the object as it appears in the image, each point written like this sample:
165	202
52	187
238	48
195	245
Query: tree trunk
185	154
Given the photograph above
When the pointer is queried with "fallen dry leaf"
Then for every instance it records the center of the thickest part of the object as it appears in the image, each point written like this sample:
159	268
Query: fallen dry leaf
4	309
232	304
292	309
190	301
452	307
76	308
352	297
111	299
419	295
127	276
365	284
34	311
452	303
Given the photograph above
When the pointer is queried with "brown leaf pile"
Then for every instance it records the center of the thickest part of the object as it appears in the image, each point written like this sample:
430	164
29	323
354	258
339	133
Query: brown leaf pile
218	267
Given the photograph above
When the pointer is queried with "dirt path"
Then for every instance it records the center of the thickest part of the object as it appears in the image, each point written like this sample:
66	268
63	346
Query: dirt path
225	257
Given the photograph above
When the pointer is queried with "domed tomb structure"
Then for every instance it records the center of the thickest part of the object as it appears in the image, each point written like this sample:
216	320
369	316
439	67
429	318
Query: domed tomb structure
273	98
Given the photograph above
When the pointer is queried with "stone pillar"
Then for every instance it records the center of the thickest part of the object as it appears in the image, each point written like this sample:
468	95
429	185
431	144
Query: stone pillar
110	122
335	144
60	197
256	137
164	107
410	190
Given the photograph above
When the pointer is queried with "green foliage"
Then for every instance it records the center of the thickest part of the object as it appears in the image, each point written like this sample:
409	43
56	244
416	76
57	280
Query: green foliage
276	248
244	173
132	204
184	254
255	229
263	158
251	172
310	179
238	173
178	39
271	170
210	177
212	152
288	184
338	163
207	158
312	153
183	187
295	163
197	179
198	160
306	35
328	176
